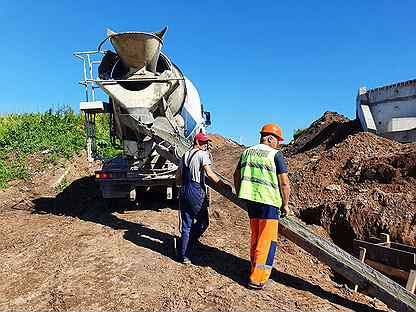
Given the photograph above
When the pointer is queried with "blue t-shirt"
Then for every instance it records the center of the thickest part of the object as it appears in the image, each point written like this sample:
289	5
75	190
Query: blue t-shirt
280	162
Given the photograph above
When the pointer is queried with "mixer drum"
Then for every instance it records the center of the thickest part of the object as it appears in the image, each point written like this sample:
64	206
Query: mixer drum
143	84
147	91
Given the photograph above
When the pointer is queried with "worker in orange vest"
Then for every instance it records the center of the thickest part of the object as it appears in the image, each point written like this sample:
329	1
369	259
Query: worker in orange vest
261	179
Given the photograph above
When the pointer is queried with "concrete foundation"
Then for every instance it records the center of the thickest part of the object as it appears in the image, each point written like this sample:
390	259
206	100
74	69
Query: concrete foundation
389	111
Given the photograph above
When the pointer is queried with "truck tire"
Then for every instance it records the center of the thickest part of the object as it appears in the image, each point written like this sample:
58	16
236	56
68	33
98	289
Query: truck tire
116	204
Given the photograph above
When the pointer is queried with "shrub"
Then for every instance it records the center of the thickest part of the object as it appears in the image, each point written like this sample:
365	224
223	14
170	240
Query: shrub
298	133
61	133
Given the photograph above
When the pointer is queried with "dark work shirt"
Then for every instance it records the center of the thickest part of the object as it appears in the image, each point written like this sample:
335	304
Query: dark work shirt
280	162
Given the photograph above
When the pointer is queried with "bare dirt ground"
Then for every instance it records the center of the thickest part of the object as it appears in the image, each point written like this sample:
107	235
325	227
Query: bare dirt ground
62	250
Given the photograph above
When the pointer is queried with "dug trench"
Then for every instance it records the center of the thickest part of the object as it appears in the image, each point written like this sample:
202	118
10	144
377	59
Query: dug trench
339	228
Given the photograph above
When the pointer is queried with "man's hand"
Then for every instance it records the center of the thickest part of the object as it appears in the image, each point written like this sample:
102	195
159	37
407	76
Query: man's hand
285	211
217	179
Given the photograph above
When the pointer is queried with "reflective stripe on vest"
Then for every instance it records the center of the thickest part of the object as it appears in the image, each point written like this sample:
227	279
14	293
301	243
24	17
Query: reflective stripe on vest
259	181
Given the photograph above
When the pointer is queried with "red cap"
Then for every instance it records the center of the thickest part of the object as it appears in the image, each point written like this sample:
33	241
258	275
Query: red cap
202	137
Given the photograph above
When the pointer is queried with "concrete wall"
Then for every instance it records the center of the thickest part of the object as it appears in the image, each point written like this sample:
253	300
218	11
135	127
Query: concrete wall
383	114
389	111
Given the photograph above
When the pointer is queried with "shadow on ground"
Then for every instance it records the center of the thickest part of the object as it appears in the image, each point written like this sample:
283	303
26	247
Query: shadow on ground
82	199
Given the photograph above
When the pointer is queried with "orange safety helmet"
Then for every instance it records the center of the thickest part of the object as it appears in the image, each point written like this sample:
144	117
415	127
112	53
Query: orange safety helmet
273	130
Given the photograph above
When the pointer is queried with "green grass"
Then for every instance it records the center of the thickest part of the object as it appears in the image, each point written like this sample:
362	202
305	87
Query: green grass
298	133
61	186
60	133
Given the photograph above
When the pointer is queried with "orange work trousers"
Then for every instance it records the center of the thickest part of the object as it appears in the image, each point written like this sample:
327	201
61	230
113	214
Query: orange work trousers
263	249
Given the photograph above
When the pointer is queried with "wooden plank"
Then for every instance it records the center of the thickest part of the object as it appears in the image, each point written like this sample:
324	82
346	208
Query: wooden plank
389	256
385	238
361	257
411	282
375	240
375	283
403	247
388	270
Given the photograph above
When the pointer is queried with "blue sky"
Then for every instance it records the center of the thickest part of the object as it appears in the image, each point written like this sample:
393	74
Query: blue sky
253	62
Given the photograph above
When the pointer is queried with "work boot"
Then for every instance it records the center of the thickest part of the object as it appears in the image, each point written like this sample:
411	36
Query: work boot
253	286
186	261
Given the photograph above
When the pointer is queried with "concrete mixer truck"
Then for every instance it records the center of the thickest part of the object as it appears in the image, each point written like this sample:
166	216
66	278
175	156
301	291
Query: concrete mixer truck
154	112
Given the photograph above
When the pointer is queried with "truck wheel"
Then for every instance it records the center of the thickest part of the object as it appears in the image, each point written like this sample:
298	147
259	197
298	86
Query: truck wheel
174	201
116	204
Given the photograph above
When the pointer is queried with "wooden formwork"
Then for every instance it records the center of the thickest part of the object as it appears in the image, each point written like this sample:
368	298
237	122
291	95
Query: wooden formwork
392	259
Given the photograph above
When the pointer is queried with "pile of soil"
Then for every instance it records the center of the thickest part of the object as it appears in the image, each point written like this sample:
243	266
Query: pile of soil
354	184
324	133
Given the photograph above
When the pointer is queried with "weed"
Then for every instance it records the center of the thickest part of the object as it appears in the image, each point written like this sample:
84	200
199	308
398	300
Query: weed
298	133
62	133
62	186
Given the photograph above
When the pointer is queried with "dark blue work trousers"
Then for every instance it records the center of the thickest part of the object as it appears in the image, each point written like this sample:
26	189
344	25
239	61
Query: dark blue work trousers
194	214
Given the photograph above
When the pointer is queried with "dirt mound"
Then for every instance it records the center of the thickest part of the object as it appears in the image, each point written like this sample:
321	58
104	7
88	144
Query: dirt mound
330	129
383	169
352	183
